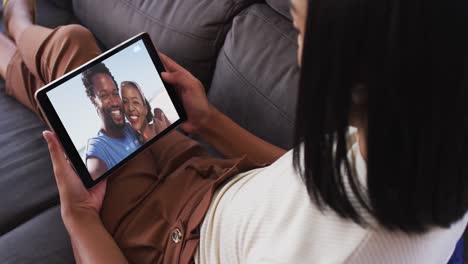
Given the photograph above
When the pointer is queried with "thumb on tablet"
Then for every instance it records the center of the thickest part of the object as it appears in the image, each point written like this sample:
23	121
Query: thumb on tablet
175	78
183	82
169	63
62	170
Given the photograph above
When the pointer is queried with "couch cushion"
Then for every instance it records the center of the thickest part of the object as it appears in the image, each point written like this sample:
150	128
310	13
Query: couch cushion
281	6
191	32
31	230
62	4
256	77
41	240
52	13
27	185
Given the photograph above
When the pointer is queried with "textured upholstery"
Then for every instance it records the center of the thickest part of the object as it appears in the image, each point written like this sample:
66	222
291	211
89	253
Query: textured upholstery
255	81
280	6
52	13
25	166
42	239
191	32
31	229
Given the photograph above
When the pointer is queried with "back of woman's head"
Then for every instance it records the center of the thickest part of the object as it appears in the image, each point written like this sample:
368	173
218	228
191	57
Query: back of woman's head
412	58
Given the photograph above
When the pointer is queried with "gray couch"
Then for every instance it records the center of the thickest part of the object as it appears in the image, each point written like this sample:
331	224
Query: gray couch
243	51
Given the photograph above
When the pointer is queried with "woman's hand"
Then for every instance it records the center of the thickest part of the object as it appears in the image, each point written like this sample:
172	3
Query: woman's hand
192	94
210	125
75	199
160	121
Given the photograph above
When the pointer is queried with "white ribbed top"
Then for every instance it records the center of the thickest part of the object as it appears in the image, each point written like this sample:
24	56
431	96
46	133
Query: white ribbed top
266	216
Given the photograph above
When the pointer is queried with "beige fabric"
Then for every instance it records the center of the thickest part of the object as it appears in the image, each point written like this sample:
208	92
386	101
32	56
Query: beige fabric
266	216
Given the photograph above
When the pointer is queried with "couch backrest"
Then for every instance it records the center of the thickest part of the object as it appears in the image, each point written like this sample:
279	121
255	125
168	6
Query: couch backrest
280	6
256	77
190	31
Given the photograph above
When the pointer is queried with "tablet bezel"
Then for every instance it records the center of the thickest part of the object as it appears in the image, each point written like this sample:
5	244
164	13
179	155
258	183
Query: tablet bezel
57	126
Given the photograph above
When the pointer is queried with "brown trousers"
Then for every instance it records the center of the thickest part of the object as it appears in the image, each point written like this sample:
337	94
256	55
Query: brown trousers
155	204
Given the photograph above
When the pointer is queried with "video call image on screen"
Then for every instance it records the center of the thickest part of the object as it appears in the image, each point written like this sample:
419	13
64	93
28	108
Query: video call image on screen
113	108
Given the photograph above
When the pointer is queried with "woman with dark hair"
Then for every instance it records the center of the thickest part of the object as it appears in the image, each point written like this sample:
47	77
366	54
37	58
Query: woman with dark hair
138	112
393	189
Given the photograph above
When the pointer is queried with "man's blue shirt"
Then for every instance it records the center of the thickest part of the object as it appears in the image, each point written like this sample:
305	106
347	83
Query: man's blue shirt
112	150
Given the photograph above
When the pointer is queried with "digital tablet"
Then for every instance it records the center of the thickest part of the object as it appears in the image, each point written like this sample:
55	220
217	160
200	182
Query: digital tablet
110	109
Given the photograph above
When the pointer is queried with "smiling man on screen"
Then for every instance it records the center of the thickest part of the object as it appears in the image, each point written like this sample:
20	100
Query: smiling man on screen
116	139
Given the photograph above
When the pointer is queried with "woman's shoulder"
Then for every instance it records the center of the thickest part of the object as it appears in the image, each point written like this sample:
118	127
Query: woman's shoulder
274	204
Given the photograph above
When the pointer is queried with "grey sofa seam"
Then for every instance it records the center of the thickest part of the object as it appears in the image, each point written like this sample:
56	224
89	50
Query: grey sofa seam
278	11
256	14
239	75
231	15
245	13
224	30
242	13
219	40
167	26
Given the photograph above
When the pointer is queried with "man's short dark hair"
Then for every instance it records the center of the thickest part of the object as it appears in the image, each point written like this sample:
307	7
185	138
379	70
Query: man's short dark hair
87	77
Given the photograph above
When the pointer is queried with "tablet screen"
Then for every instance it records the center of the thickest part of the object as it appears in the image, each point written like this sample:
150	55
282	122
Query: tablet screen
112	109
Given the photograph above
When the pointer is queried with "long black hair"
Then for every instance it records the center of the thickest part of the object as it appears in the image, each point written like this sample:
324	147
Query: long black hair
412	57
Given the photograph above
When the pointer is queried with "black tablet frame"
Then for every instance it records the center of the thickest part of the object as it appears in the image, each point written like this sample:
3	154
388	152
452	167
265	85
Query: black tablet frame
56	124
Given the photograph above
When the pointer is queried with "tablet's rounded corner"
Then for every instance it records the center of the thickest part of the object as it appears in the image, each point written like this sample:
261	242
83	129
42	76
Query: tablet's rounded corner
38	94
89	184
